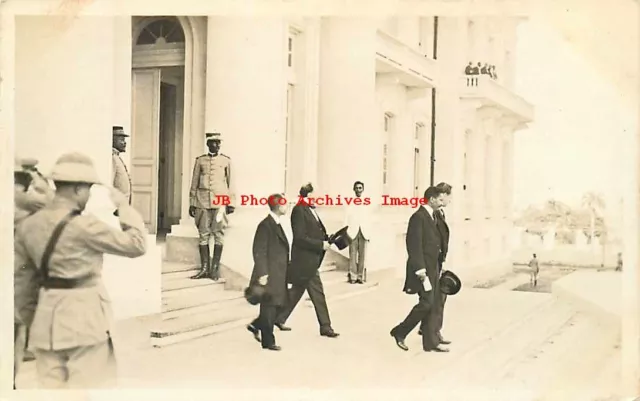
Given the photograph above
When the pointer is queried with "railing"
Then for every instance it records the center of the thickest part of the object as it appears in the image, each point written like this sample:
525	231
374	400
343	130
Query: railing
405	58
485	88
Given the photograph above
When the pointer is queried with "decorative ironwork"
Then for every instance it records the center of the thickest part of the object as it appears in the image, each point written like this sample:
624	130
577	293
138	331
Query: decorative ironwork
161	31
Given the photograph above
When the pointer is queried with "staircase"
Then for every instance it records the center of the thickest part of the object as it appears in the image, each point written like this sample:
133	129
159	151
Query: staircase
198	308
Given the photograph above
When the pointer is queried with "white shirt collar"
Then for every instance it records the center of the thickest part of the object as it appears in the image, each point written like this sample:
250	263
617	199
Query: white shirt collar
429	209
275	217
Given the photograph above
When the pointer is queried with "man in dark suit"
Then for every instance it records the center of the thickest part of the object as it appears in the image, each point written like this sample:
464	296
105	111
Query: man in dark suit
271	258
422	274
310	242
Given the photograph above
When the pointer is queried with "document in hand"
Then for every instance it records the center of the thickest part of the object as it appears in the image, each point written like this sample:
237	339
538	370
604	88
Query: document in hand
426	284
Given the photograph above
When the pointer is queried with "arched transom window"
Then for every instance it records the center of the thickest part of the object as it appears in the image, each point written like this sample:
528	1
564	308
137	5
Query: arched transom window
161	31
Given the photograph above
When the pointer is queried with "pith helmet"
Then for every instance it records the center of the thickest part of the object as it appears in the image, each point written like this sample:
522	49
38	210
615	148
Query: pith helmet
74	167
214	136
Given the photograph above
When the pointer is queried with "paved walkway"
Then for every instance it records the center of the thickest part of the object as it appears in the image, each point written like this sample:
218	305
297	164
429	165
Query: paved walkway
506	345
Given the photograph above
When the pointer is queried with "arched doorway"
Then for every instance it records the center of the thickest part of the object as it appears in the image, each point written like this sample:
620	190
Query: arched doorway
158	103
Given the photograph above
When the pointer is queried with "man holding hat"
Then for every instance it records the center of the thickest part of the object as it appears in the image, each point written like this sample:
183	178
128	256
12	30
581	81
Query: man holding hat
121	178
58	286
211	199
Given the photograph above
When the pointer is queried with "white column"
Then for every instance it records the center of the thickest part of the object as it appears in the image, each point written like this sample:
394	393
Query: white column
400	161
349	143
312	82
7	134
122	77
245	95
70	107
409	31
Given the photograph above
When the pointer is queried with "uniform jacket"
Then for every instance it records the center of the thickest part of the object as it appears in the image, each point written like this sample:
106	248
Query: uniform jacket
121	177
443	228
423	249
307	249
271	257
211	178
359	217
66	318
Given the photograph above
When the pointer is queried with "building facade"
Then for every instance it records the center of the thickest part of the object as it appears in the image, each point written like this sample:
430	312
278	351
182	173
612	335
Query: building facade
329	100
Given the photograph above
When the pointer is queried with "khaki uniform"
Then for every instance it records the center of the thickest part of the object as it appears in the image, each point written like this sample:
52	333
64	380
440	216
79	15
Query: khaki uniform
211	179
70	327
121	177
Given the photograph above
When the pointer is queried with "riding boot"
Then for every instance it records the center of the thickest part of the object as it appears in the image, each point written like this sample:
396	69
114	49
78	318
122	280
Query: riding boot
204	262
215	262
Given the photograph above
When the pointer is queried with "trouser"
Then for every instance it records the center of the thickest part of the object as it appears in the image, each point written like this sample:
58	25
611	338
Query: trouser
316	292
84	367
205	220
357	251
425	313
440	320
265	322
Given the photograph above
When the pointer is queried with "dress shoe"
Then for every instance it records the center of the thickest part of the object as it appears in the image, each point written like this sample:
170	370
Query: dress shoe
254	331
329	333
272	347
437	349
445	342
359	281
400	342
282	327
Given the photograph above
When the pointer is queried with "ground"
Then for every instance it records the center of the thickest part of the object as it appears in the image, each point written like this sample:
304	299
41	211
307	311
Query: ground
505	345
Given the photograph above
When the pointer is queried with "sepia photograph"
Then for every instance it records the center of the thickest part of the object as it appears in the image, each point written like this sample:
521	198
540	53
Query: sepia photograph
429	196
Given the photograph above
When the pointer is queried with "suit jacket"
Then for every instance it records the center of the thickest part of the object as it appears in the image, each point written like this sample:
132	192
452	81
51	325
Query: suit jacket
423	248
443	228
307	251
211	178
271	258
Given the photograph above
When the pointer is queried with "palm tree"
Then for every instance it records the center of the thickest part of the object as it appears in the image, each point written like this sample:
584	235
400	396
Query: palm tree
594	203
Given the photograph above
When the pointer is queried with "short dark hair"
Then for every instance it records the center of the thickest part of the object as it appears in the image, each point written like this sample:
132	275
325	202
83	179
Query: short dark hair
356	183
274	201
432	192
306	190
444	187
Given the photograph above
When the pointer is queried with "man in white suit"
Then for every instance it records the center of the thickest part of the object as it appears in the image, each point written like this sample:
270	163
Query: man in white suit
358	220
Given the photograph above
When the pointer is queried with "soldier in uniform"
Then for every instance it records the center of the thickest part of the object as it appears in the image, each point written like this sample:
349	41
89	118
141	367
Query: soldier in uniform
121	177
211	199
58	287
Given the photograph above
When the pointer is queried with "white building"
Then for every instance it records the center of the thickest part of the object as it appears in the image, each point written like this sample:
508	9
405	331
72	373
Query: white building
327	100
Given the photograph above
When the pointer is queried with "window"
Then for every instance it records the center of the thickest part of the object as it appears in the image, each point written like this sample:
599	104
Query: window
488	182
290	51
388	127
161	31
287	137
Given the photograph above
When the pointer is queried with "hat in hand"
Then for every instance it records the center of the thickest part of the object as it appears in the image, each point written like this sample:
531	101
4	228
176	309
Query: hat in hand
341	238
450	284
255	294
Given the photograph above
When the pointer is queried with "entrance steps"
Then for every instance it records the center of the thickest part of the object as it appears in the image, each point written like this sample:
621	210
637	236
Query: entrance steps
198	308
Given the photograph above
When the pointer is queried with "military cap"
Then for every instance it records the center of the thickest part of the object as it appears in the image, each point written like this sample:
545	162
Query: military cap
215	136
75	167
29	163
341	239
118	131
450	284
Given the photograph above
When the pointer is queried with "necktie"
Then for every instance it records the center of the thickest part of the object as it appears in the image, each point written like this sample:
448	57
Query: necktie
442	215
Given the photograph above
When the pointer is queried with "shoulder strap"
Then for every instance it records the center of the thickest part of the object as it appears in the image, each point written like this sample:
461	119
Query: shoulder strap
44	264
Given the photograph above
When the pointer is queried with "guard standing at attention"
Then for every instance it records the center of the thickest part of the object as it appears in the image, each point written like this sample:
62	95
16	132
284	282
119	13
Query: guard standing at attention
121	178
211	199
59	291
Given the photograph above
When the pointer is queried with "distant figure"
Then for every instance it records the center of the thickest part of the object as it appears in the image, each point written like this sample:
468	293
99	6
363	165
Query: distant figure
619	265
468	70
485	69
534	270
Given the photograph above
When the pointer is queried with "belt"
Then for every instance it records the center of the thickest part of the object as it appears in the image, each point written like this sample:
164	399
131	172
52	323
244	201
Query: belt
58	283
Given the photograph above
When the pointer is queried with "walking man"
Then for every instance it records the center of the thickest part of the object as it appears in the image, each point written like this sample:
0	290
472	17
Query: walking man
358	223
534	269
310	242
121	178
211	199
422	275
58	286
271	259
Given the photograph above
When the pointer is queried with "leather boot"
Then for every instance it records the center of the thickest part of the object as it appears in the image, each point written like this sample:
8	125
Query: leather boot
204	263
215	262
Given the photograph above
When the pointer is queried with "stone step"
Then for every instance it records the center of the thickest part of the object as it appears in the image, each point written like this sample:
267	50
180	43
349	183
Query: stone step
181	283
230	300
197	299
